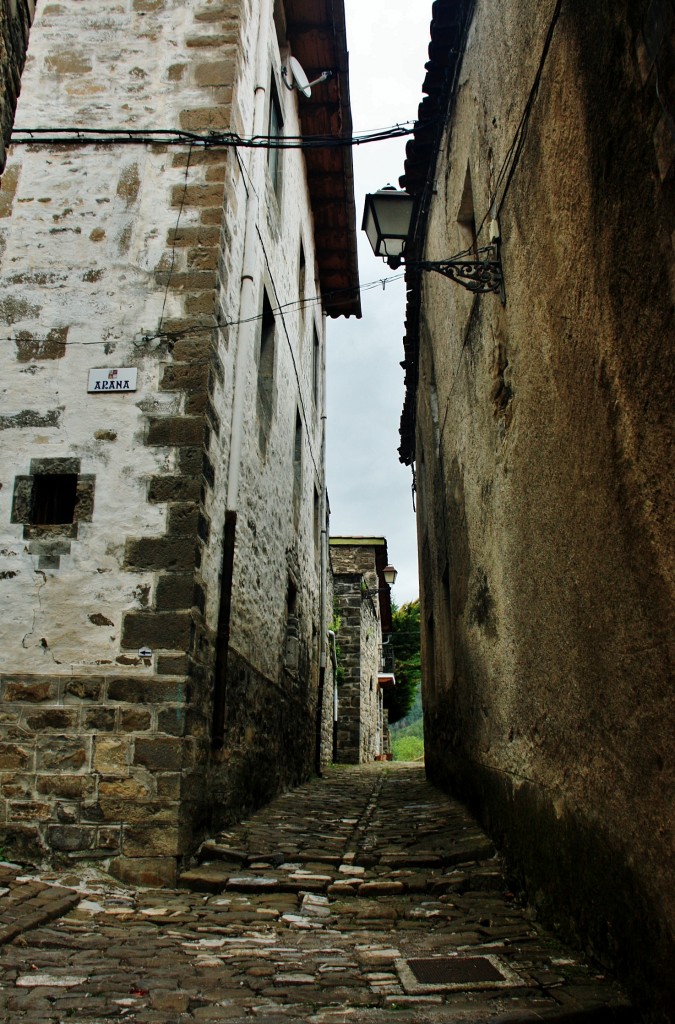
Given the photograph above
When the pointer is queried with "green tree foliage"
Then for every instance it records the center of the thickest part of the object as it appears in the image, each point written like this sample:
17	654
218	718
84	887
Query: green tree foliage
407	743
406	642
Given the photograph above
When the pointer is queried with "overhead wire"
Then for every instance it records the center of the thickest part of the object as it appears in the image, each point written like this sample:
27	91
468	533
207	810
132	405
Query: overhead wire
80	136
146	336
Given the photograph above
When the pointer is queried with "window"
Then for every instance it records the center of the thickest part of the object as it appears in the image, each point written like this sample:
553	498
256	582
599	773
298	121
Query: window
275	132
317	522
266	371
50	502
466	217
297	469
54	498
316	367
302	280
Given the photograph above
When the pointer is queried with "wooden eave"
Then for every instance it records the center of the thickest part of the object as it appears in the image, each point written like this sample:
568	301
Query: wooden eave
317	36
449	20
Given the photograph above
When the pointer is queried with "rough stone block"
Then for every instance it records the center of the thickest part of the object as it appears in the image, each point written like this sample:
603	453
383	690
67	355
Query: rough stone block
196	403
99	719
205	118
173	664
205	236
201	258
153	871
216	72
14	756
157	553
184	377
61	753
175	430
70	838
173	488
69	787
112	755
159	754
183	520
137	812
51	718
29	810
157	630
23	843
135	721
141	690
211	215
153	840
109	837
84	689
172	721
200	302
174	591
30	692
169	787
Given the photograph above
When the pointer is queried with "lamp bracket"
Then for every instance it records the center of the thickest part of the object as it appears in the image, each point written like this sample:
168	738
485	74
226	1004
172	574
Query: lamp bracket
477	275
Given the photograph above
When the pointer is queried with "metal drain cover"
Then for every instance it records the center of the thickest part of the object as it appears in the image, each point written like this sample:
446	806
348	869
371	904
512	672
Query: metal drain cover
447	973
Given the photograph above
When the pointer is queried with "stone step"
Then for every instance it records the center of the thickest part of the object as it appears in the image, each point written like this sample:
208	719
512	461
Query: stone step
218	876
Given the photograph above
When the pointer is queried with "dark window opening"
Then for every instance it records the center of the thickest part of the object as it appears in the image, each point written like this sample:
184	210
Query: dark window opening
297	468
316	367
317	522
291	598
466	217
302	279
275	132
266	370
54	499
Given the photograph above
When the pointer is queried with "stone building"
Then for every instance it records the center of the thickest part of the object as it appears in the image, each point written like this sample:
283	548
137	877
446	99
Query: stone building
540	431
164	294
16	17
362	607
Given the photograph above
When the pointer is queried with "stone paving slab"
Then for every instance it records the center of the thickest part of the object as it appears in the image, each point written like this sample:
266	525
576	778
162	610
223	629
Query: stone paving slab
26	903
278	955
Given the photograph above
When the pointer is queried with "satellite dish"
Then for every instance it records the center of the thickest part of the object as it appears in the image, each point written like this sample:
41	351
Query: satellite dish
299	77
295	78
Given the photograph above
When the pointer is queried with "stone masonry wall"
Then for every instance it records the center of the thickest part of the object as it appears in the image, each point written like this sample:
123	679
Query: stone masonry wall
132	256
544	454
15	21
111	259
359	639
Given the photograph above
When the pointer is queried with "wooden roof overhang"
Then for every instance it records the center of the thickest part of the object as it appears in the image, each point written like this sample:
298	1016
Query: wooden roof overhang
318	39
449	22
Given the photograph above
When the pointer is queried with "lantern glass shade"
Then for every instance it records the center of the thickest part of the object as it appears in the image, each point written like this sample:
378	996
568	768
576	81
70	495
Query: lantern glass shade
386	221
390	575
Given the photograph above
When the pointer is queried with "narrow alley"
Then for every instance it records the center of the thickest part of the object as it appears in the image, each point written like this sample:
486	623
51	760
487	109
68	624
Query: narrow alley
366	895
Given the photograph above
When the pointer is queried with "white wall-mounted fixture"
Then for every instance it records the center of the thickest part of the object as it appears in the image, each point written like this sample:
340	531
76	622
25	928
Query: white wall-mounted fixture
294	77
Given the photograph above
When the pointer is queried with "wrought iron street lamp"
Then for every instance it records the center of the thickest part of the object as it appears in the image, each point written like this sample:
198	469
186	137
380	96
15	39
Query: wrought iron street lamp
390	574
387	217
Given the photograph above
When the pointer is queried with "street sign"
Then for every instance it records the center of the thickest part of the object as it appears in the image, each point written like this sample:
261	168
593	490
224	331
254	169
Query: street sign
117	379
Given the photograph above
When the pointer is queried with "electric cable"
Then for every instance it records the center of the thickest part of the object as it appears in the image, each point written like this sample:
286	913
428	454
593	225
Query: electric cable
78	136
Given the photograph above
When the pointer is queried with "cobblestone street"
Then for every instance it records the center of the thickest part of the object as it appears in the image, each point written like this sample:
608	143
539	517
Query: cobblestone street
363	896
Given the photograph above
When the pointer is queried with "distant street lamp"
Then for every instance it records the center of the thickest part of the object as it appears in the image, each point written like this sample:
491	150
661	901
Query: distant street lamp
390	574
387	217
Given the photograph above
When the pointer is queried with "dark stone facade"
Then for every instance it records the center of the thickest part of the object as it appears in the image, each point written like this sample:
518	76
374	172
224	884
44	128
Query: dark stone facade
15	21
541	432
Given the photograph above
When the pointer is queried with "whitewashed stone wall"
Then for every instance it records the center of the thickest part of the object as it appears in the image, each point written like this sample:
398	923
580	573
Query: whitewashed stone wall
131	256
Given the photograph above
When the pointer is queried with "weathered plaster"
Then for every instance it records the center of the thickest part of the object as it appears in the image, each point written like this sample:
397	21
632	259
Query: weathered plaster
545	505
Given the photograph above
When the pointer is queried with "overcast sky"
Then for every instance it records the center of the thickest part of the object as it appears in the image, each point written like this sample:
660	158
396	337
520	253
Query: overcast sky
369	489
